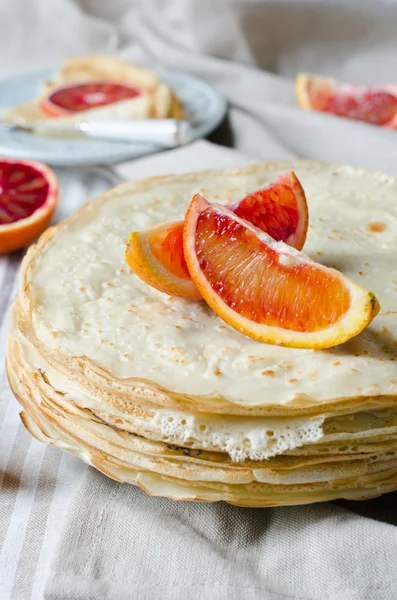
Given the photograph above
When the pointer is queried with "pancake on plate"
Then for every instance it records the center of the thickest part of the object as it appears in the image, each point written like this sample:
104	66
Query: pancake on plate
99	88
157	391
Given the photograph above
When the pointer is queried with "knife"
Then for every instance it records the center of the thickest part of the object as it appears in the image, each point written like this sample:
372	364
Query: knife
164	132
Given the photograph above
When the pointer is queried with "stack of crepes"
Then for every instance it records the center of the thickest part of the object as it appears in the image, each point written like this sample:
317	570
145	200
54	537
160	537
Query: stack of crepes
157	391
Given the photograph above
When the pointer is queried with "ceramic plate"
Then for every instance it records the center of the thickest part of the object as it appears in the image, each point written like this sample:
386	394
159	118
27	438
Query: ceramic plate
204	107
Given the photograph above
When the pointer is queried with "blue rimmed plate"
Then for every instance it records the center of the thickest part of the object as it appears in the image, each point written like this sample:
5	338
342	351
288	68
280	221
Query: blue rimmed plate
204	107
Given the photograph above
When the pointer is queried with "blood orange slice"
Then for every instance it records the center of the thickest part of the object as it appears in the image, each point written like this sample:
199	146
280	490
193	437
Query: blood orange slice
376	105
28	197
266	289
76	98
280	209
156	255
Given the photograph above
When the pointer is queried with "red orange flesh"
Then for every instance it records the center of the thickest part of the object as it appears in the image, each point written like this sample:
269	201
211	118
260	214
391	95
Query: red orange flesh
376	105
28	197
166	242
279	209
84	96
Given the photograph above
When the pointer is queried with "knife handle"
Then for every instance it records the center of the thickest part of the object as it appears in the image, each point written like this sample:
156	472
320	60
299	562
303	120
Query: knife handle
164	132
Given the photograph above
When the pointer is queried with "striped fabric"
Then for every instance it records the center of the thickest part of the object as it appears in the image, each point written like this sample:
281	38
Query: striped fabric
37	482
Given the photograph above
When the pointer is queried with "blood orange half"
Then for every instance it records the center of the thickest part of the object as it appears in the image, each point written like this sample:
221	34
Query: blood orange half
156	255
28	197
266	289
376	105
76	98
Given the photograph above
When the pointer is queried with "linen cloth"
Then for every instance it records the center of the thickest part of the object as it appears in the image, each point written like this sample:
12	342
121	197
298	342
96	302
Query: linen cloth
65	530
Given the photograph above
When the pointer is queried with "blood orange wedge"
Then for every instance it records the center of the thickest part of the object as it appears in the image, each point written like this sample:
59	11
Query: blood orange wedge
266	289
76	98
28	197
156	255
376	105
280	209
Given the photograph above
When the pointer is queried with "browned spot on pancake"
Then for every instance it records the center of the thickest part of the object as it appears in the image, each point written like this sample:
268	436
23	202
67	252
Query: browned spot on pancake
354	370
292	380
268	372
337	363
385	330
376	227
394	381
360	273
287	367
255	359
388	312
319	253
217	372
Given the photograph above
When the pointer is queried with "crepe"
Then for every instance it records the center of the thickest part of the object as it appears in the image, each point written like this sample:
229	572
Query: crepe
157	101
158	391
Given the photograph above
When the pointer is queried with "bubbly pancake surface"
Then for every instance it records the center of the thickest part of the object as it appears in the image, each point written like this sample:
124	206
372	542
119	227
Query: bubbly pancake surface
87	303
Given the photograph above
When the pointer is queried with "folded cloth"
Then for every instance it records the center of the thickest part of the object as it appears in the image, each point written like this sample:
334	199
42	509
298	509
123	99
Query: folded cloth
195	157
119	543
225	42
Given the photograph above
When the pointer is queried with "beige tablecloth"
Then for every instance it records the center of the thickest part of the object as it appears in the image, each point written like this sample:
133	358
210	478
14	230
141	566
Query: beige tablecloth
66	531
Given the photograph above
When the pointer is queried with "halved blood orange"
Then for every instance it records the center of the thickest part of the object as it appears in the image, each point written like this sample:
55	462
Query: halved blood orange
266	289
76	98
376	105
28	197
156	255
